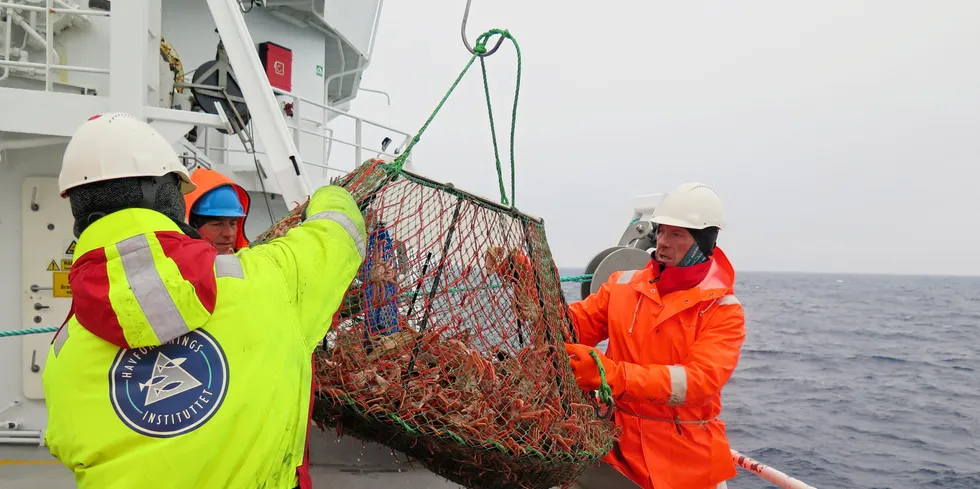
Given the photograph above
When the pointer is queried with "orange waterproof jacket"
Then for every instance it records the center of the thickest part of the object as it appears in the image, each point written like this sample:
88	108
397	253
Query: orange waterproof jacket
676	354
208	180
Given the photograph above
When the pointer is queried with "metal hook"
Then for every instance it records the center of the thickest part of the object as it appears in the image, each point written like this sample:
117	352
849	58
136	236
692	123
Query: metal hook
462	31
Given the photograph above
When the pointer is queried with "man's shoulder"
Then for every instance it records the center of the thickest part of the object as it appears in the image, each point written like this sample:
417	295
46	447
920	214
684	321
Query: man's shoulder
626	277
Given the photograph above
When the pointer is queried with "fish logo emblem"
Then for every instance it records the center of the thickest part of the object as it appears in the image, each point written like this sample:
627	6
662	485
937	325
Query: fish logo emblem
170	389
168	380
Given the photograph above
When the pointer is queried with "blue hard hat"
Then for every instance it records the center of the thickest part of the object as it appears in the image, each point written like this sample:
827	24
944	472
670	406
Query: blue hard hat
219	202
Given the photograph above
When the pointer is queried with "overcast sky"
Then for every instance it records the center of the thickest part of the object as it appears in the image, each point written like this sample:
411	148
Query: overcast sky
842	135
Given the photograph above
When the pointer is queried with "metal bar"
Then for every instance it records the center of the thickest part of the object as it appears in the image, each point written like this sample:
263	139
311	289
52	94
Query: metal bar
266	114
42	66
371	90
325	167
768	473
20	441
20	434
341	141
69	11
193	118
207	141
339	111
541	307
482	200
311	121
7	41
233	150
358	131
353	145
415	295
435	285
296	114
49	38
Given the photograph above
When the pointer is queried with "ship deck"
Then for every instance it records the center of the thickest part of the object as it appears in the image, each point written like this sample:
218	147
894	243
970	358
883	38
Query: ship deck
34	467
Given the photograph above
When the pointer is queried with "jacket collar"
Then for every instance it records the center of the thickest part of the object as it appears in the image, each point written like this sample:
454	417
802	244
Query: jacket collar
718	282
121	225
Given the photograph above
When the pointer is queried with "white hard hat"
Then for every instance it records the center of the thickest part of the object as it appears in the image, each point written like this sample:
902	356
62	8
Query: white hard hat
117	145
692	206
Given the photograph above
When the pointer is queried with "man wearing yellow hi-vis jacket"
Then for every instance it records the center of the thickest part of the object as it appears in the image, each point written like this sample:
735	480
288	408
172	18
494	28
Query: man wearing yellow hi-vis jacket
179	367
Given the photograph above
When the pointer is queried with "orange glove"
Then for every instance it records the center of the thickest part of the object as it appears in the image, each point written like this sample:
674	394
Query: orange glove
587	371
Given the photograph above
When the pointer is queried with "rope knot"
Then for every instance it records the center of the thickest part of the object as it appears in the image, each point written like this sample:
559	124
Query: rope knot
480	48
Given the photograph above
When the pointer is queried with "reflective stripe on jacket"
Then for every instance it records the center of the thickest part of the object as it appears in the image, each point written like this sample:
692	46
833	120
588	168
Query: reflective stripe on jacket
677	353
181	368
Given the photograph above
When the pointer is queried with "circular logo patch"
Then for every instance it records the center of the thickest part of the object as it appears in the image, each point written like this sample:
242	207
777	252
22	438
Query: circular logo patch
171	389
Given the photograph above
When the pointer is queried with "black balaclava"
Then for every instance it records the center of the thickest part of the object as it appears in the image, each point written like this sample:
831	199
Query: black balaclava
701	250
197	220
705	239
92	201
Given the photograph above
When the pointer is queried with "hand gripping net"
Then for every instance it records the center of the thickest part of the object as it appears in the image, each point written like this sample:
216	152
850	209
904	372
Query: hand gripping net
448	345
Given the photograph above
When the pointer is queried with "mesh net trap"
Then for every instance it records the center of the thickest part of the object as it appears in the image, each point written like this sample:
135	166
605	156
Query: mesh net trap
448	344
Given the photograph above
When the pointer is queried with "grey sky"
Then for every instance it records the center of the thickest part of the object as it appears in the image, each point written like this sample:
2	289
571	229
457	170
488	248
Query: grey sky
842	135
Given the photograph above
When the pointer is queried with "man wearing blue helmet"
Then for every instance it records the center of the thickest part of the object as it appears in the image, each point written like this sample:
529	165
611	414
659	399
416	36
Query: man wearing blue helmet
217	209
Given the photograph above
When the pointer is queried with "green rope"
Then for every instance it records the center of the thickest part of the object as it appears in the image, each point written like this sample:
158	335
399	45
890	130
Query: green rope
605	392
485	38
480	48
22	332
576	278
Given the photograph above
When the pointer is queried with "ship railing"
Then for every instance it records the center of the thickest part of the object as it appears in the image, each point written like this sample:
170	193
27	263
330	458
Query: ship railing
51	58
300	106
319	128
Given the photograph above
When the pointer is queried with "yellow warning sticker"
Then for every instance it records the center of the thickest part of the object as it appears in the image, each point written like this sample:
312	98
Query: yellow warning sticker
53	266
71	249
60	286
66	263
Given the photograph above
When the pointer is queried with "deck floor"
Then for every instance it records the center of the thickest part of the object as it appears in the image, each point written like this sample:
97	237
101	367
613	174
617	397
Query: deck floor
33	467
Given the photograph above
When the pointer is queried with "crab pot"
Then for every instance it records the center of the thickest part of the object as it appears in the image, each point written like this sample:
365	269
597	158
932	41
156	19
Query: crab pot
448	344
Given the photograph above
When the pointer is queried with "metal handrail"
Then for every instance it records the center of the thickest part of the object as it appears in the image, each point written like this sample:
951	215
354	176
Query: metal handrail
359	122
335	110
49	9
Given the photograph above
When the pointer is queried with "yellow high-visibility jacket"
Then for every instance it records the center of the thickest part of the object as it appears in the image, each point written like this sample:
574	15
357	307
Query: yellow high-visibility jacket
184	369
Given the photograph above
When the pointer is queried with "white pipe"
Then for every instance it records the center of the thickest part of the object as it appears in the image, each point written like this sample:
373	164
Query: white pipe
20	441
82	69
339	111
20	434
382	92
768	473
6	45
33	33
68	10
48	43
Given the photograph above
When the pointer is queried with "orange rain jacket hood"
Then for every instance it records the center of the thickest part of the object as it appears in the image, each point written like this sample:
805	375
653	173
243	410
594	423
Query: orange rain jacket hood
671	356
207	180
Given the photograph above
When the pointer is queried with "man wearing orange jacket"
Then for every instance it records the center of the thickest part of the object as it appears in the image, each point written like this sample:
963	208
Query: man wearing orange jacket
675	330
217	209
